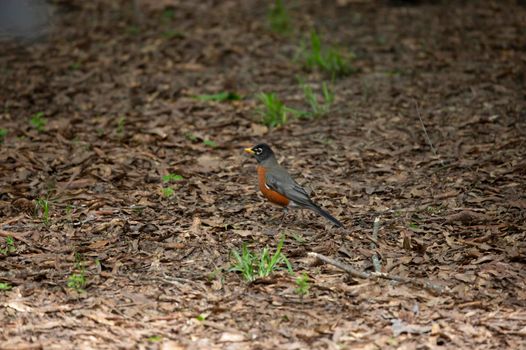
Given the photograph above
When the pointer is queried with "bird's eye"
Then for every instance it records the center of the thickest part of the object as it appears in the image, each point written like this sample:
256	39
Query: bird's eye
258	150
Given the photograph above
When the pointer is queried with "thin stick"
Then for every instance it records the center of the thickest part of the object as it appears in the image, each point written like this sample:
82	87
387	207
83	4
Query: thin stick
376	260
425	131
355	273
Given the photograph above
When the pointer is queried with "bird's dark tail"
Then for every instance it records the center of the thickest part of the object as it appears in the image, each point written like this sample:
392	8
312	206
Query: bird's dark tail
326	215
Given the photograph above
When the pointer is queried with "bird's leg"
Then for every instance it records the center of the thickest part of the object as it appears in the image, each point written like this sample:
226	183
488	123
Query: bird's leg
285	212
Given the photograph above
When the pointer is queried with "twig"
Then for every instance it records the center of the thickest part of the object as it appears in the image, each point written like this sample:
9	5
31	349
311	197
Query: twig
425	131
376	260
355	273
340	265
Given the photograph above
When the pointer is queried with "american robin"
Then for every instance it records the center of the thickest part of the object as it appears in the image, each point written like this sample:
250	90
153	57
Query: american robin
279	187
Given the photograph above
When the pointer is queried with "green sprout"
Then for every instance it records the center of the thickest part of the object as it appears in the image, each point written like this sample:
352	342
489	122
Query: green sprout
219	97
201	317
78	280
303	285
274	112
168	192
4	287
317	109
75	66
38	121
9	246
171	177
263	264
154	339
279	19
42	206
3	134
326	59
120	125
190	136
210	143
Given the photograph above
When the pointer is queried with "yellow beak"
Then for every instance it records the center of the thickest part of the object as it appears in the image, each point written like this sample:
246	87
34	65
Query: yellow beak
249	150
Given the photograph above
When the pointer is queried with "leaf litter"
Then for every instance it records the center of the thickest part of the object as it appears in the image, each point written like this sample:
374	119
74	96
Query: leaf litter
118	98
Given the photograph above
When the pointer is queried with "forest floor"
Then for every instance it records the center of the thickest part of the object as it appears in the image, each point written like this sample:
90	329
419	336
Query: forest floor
428	134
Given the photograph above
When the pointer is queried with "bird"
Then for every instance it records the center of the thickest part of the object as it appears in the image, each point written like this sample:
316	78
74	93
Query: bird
279	187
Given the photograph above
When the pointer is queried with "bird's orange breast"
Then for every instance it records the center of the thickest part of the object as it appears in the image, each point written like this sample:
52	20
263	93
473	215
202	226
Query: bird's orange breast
271	195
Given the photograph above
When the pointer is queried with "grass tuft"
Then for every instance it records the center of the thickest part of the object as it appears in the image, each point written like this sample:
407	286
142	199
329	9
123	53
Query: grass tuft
220	97
38	121
3	134
326	59
8	247
253	265
279	18
77	280
274	112
42	207
316	108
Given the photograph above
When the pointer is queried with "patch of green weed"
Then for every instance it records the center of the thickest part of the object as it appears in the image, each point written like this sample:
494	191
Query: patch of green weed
121	122
326	59
318	106
219	97
154	338
4	287
3	134
168	192
42	207
262	264
77	280
38	121
274	112
302	283
8	247
190	136
279	18
210	143
171	177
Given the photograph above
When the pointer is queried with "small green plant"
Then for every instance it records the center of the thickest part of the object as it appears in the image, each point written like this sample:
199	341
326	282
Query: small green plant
38	121
201	317
210	143
42	206
168	14
3	134
168	192
120	125
317	109
75	66
154	339
327	59
274	112
413	225
170	34
219	97
279	19
77	280
8	247
298	237
4	287
302	283
171	177
133	30
263	264
69	211
191	137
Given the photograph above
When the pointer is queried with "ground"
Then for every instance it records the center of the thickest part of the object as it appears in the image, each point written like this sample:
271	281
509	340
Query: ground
428	134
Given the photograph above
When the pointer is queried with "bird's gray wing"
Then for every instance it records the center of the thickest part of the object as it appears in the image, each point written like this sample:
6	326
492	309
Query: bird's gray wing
281	182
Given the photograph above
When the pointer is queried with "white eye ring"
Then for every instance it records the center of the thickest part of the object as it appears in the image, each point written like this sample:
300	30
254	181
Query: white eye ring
258	150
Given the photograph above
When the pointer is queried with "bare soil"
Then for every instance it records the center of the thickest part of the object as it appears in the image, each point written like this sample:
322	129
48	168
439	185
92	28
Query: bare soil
119	99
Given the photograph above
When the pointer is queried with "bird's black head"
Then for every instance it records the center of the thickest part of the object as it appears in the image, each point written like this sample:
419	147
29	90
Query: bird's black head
261	152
